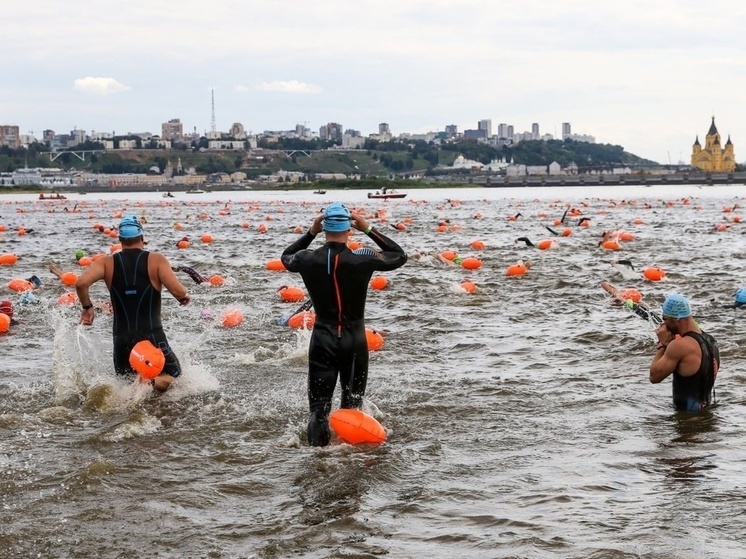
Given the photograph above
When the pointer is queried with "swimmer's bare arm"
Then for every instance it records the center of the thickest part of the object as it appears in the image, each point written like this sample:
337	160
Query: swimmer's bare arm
95	272
667	358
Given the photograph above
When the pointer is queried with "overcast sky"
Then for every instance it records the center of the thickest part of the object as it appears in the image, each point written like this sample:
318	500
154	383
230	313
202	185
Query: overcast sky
647	75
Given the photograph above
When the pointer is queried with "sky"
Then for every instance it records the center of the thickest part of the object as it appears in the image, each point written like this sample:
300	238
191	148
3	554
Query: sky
646	75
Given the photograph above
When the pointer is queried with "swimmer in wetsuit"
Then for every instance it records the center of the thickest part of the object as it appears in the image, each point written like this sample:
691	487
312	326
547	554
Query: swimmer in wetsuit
337	282
685	351
135	278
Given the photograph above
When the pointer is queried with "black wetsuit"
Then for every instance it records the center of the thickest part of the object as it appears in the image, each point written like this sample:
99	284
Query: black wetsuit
137	311
694	393
337	281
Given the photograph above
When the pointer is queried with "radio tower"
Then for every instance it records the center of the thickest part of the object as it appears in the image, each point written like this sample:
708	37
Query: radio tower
212	123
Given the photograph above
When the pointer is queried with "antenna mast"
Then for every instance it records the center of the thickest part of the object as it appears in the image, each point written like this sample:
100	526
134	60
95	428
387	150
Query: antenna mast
212	122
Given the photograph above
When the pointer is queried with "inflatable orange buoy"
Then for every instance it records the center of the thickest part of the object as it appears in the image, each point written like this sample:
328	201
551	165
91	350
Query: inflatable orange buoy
147	359
291	294
69	298
566	232
375	340
276	265
516	270
232	317
69	278
183	244
305	319
356	427
262	228
8	259
545	244
653	274
631	295
85	261
4	323
216	280
477	245
379	282
611	245
207	238
449	255
20	285
469	286
471	263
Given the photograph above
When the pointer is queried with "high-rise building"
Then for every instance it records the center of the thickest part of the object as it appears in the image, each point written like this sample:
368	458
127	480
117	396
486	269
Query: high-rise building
566	131
172	130
502	131
486	126
10	135
510	133
535	131
332	131
451	130
384	129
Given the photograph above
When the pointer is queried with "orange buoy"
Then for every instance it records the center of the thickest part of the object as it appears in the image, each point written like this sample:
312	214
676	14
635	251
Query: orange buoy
4	323
442	228
477	245
516	270
246	225
216	280
631	295
379	282
626	236
207	238
183	244
147	359
545	244
232	317
468	286
262	228
653	274
85	261
275	265
471	263
298	229
68	298
356	427
375	340
69	278
8	259
449	255
291	294
354	245
611	245
305	319
566	232
20	285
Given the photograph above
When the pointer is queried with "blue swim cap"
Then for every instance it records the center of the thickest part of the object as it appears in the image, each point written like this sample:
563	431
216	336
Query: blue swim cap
741	296
336	218
676	306
130	227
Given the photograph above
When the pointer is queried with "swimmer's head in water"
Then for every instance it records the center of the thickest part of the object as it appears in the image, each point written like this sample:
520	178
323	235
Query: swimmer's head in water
676	306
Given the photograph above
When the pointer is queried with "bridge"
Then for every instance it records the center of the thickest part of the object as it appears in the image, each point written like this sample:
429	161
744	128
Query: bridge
80	154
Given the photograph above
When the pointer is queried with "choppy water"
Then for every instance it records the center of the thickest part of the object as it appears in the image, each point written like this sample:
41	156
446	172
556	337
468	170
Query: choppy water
520	419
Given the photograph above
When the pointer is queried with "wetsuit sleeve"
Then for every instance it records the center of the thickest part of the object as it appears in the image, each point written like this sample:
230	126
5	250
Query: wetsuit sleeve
288	258
392	256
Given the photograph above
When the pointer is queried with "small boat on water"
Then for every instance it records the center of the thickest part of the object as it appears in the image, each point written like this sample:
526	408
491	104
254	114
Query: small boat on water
385	194
167	195
57	196
196	191
319	191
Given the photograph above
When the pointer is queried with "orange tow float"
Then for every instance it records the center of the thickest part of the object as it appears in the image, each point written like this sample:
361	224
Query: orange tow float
356	427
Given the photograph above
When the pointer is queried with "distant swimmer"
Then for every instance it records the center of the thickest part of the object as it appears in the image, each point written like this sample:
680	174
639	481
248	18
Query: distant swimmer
685	351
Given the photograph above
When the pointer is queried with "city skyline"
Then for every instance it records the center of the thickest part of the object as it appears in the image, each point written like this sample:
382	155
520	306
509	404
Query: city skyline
647	77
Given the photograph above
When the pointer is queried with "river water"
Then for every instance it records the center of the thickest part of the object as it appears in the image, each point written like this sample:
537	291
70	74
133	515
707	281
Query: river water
520	419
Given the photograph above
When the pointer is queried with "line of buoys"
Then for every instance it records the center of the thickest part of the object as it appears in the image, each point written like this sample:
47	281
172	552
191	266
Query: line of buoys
355	426
291	294
147	359
379	282
374	338
305	319
275	265
8	259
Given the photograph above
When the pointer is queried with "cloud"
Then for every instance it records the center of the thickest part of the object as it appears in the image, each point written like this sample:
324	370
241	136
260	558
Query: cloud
288	86
99	86
241	89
